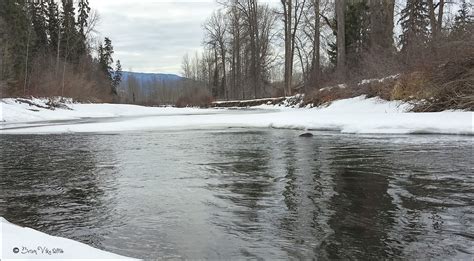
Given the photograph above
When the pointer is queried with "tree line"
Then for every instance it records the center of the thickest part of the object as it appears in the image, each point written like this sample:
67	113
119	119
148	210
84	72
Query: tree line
254	50
47	49
155	90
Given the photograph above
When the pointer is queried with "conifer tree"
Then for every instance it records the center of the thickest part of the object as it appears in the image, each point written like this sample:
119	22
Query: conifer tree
414	22
15	14
356	32
83	16
105	61
53	29
82	23
117	77
37	11
463	22
68	31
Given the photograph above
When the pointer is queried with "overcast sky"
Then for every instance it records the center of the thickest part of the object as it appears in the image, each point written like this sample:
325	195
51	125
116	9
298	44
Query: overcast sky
153	35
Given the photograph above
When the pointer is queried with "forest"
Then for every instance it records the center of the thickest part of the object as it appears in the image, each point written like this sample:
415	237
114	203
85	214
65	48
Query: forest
254	49
47	49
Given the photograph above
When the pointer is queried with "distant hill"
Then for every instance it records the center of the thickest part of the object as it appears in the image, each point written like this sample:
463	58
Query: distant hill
161	78
154	88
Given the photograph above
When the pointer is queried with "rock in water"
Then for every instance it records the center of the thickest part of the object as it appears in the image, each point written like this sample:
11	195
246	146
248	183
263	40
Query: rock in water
306	135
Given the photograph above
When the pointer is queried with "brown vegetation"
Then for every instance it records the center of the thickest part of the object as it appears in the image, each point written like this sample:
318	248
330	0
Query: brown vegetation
450	86
78	82
195	97
436	88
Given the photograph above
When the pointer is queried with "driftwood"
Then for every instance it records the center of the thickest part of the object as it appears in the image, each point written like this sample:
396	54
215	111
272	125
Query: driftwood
31	103
50	105
247	103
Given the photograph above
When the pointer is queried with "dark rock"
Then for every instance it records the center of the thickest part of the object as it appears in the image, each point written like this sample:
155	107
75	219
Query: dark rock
306	135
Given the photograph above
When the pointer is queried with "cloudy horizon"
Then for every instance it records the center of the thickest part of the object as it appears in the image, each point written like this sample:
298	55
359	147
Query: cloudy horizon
152	36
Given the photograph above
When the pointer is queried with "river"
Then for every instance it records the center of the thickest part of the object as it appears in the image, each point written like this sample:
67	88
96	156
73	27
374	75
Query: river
245	193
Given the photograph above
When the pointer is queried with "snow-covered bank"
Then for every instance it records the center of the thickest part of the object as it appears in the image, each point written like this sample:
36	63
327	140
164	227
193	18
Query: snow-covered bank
12	111
355	115
26	243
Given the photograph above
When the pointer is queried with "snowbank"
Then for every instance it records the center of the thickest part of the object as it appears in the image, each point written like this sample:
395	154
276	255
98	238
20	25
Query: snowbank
12	111
25	243
355	115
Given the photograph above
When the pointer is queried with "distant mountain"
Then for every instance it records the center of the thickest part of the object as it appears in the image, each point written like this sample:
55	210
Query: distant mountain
162	78
152	88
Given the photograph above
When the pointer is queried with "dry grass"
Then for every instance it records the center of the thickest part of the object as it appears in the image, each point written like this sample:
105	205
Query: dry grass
195	97
83	82
412	86
328	94
451	86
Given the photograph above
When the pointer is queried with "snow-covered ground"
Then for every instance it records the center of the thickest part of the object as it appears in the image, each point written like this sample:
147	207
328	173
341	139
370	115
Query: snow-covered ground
355	115
14	112
25	243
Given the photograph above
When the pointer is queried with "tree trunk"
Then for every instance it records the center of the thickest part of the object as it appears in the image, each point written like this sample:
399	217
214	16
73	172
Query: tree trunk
341	37
287	13
238	64
316	46
439	27
26	61
433	23
224	78
381	25
57	49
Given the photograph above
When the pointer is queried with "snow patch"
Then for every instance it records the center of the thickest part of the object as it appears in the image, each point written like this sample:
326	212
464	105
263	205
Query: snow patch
354	115
379	80
339	86
26	243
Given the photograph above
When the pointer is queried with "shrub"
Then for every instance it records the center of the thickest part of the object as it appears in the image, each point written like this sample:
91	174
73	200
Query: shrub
196	97
411	86
329	94
451	86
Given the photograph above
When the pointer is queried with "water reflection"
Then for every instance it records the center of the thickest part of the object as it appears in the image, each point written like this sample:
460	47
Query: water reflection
361	205
52	182
230	194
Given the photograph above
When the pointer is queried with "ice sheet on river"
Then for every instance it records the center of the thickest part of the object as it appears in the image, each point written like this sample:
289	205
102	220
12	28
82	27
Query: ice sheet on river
355	115
25	243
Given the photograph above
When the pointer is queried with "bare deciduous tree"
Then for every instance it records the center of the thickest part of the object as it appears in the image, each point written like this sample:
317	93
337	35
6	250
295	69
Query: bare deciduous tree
341	37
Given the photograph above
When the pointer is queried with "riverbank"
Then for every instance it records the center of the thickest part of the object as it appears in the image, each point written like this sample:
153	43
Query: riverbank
26	243
359	115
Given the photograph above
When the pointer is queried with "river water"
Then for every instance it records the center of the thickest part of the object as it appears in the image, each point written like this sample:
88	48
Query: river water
245	193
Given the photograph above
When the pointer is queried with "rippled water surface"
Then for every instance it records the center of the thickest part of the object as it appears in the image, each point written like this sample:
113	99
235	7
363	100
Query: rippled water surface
223	194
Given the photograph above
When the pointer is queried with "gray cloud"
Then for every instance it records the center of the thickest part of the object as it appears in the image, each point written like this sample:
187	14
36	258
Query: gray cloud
153	36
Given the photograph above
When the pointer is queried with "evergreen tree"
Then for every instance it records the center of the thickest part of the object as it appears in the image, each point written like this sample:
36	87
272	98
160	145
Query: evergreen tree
414	22
105	57
105	61
37	11
117	77
41	37
68	31
15	14
356	33
83	16
53	30
463	22
82	23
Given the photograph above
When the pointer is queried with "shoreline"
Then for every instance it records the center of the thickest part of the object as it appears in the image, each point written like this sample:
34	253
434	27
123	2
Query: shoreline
26	243
359	115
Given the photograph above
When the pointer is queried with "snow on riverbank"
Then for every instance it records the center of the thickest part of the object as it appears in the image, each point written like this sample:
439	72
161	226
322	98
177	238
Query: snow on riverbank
355	115
12	111
25	243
